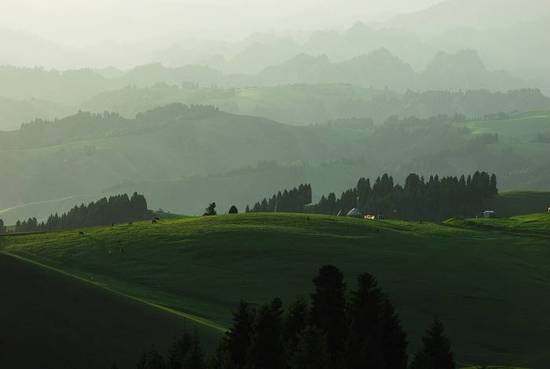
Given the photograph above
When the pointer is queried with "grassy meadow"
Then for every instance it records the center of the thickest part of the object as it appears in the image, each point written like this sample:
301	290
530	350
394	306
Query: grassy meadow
203	266
49	320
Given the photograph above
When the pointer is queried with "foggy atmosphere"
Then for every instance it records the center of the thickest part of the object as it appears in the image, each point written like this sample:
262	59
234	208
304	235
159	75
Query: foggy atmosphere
275	184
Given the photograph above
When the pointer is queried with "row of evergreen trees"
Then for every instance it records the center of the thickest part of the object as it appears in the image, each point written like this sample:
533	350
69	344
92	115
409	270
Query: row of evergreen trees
294	200
433	199
115	209
334	330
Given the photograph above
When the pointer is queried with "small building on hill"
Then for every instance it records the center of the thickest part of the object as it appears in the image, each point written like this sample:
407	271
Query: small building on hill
354	213
489	214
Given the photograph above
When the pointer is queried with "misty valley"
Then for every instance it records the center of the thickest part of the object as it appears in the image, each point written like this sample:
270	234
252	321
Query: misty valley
288	185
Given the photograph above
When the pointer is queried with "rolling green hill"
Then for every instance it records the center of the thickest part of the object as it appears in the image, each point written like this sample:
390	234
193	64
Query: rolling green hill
517	129
51	320
508	204
537	225
183	157
490	287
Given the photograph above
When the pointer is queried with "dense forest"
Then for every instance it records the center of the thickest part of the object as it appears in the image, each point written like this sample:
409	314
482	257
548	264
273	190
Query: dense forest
115	209
433	199
336	328
294	200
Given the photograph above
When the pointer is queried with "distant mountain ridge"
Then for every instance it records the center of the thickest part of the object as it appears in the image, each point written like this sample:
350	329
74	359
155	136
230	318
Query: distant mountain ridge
379	68
478	14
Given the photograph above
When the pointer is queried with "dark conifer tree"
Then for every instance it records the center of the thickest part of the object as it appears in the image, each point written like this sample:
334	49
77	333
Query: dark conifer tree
365	333
105	211
233	210
179	351
311	351
293	200
328	311
210	210
267	348
363	193
295	322
151	360
238	340
194	359
435	352
394	339
220	359
493	191
138	206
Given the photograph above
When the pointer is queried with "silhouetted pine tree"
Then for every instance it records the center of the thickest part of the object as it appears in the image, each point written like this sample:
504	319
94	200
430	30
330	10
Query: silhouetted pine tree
311	351
435	199
394	339
436	350
210	210
178	352
151	360
237	341
328	311
267	348
364	346
194	359
293	200
295	323
105	211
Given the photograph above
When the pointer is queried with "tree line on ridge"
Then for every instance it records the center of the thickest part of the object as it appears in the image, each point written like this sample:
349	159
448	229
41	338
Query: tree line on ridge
435	199
106	211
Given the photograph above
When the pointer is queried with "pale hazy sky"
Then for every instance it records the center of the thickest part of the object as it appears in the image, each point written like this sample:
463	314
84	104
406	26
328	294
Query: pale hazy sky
93	21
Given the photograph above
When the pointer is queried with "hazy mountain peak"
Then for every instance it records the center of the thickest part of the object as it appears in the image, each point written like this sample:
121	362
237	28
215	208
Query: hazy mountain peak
307	59
358	29
465	70
467	59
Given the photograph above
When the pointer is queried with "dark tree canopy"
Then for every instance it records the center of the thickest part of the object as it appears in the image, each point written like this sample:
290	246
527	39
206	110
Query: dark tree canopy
238	339
433	199
210	210
115	209
294	200
336	330
328	310
436	350
267	348
151	360
417	199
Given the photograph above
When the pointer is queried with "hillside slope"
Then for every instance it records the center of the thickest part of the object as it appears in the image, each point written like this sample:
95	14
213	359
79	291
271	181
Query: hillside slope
52	321
184	157
489	287
85	154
